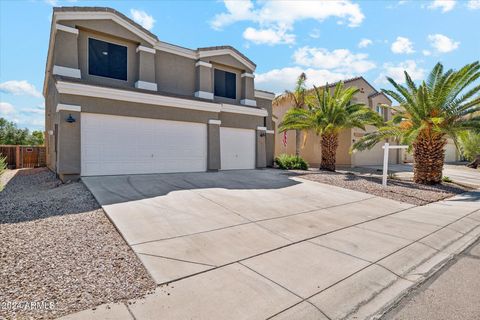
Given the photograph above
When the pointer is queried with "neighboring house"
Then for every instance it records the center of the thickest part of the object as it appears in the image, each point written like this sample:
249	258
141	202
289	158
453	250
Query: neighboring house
451	153
119	101
311	149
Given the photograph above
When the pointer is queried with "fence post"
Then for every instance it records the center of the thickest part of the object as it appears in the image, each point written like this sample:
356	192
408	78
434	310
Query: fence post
385	163
17	157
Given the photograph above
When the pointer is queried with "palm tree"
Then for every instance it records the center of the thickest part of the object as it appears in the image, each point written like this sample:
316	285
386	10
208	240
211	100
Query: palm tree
438	108
298	96
327	114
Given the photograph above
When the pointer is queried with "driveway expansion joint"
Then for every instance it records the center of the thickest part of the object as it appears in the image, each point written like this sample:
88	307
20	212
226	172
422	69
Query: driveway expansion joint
180	260
418	266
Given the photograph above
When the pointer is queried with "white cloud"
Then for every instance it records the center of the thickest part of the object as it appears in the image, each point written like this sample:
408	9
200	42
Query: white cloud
21	87
426	52
278	80
29	117
315	34
6	108
402	45
268	36
55	3
473	4
444	5
364	43
282	15
142	18
442	43
340	60
395	71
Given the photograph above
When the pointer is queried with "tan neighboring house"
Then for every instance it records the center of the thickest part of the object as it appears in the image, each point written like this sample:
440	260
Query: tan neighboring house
311	148
451	153
120	101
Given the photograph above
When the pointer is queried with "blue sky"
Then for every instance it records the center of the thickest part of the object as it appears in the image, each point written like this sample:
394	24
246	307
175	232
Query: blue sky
328	40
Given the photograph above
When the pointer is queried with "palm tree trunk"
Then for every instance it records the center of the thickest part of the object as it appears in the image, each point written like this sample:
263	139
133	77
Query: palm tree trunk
428	154
298	142
329	151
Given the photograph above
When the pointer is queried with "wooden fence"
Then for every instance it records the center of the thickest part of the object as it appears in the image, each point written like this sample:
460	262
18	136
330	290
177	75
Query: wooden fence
23	156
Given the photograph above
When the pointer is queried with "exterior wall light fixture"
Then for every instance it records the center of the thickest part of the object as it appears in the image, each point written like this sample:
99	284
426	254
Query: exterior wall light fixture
70	119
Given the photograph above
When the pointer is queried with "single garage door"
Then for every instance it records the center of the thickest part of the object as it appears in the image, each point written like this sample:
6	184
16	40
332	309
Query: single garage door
237	148
374	156
113	145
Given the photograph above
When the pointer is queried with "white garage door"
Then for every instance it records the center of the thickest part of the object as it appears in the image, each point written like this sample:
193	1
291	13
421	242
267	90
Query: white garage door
128	145
237	148
374	156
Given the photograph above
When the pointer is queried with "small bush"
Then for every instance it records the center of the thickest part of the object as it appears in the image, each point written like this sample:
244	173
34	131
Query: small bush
3	164
446	179
470	145
288	162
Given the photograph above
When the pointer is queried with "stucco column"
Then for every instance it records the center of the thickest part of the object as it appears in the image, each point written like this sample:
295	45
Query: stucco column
213	145
66	52
270	147
260	146
247	90
68	150
203	80
146	69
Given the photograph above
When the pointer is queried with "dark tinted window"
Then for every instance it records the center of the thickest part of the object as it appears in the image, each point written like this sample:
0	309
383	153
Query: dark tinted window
225	84
107	59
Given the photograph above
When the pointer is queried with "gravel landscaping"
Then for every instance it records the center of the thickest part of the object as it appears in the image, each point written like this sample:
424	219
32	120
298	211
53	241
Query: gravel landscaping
400	190
57	246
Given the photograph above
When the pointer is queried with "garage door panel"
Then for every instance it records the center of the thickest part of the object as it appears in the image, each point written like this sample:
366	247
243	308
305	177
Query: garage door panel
129	145
237	148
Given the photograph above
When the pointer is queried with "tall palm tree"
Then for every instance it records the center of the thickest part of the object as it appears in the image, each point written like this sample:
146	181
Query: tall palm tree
327	114
438	108
298	97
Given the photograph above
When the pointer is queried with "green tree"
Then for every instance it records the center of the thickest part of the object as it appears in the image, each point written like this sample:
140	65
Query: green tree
442	106
298	96
10	134
327	115
36	138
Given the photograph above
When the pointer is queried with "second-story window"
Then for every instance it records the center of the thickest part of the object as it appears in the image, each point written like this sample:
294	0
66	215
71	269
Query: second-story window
107	59
225	84
379	109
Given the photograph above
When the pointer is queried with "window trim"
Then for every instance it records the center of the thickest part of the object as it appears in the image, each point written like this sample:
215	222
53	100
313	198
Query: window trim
88	58
236	82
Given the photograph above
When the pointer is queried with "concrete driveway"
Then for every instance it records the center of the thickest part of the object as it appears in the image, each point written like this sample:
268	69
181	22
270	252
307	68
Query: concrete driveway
261	243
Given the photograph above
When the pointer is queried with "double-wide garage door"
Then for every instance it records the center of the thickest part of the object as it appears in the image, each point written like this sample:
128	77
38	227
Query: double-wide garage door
128	145
112	145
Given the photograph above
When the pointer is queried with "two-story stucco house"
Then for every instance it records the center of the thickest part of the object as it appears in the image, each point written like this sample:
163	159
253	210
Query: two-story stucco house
120	101
311	148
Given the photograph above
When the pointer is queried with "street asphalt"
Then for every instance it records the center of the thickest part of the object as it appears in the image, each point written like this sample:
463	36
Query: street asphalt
453	293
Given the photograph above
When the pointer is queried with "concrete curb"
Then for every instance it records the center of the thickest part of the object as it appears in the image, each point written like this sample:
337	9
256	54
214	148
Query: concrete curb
388	298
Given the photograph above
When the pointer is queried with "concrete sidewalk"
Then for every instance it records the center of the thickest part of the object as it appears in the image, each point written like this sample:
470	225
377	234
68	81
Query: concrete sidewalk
458	172
332	263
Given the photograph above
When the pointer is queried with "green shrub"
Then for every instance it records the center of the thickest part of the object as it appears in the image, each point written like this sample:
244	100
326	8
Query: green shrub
289	162
470	145
3	164
446	179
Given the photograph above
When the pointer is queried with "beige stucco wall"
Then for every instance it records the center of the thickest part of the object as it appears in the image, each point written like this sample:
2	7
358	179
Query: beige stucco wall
132	59
311	150
172	73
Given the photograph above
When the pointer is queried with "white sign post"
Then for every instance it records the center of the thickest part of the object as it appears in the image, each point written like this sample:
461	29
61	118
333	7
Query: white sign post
386	148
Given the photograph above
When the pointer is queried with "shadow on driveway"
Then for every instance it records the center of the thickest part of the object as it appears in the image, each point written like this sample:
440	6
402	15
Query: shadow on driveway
117	189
